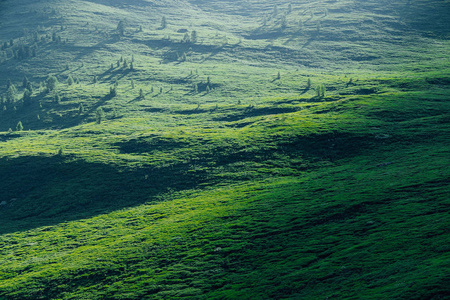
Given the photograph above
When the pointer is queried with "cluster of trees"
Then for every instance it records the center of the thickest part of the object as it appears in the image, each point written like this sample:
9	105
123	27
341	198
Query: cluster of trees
19	52
187	38
192	38
57	38
22	50
321	90
283	21
276	15
10	97
202	86
124	63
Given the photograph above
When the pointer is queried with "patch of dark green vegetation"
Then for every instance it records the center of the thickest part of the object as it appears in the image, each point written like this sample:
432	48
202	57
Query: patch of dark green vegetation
224	150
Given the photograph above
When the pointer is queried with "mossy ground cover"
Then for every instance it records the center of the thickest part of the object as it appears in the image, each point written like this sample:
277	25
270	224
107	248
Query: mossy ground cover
255	188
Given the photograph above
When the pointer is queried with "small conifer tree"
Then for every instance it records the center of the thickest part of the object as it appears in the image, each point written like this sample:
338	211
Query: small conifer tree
112	91
25	82
323	91
29	86
275	11
26	97
141	94
121	28
80	108
11	94
51	83
70	80
186	38
194	36
283	22
99	115
19	126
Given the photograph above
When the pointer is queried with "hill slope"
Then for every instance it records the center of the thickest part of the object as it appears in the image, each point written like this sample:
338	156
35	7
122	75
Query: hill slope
292	152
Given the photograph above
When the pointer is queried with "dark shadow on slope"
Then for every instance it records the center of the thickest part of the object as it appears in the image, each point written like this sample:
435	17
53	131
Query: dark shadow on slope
122	4
256	112
156	143
45	191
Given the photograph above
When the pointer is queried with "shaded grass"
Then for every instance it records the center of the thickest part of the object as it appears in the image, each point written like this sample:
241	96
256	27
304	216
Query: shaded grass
321	234
259	189
291	205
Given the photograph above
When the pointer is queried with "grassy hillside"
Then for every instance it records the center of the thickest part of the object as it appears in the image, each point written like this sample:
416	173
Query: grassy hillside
282	151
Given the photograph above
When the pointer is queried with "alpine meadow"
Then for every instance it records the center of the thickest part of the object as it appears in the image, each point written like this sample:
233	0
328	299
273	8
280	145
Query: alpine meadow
221	149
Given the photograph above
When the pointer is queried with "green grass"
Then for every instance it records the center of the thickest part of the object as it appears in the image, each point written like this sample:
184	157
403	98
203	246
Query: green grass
258	189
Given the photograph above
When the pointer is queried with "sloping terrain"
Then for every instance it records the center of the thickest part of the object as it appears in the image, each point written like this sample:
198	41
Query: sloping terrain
224	150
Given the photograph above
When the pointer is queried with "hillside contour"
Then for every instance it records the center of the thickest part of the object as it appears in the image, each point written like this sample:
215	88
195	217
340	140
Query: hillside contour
224	149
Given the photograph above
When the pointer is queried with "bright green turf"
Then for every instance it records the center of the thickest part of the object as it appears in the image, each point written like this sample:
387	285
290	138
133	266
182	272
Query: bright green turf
258	189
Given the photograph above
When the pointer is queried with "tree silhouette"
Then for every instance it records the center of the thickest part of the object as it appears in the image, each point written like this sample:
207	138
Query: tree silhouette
11	94
70	80
121	28
163	23
186	38
25	82
26	97
19	126
99	115
81	108
194	36
51	82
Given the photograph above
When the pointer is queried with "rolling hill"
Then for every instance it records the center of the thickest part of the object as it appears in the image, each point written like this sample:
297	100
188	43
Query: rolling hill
224	150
